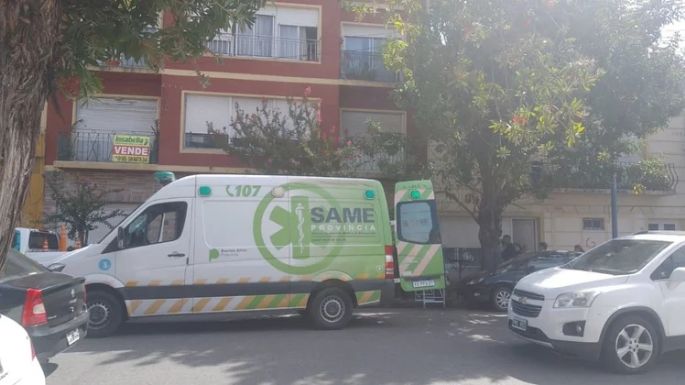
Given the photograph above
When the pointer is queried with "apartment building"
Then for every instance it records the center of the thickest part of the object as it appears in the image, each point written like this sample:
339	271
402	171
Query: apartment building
144	121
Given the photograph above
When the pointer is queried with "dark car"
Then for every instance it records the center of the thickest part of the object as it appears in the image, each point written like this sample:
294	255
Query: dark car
495	288
51	306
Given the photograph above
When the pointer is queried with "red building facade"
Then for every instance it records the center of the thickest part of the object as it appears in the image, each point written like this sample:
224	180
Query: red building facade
294	45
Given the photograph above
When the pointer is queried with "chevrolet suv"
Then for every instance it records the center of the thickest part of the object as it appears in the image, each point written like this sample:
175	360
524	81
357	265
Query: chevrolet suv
622	302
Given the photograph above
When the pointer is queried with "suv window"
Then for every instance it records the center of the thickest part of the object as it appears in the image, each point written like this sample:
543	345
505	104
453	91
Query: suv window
674	261
619	256
157	224
18	265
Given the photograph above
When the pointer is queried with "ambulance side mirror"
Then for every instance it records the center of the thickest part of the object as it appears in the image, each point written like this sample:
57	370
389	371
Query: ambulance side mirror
121	237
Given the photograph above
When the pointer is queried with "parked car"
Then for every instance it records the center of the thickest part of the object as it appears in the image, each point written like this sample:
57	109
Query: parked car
50	306
622	301
495	288
18	362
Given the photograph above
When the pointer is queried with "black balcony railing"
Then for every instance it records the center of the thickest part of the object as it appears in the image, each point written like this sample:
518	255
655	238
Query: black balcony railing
362	65
228	44
124	62
650	175
96	146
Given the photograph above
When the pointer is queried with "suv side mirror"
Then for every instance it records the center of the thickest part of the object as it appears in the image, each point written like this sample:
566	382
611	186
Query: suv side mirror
678	275
121	237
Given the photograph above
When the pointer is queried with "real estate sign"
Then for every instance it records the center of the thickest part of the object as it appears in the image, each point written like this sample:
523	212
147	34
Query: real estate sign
131	149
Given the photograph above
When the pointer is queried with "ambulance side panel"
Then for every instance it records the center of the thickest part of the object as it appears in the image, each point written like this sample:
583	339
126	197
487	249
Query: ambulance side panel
229	272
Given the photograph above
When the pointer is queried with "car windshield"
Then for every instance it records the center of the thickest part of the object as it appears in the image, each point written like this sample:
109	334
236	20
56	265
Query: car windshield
18	265
619	256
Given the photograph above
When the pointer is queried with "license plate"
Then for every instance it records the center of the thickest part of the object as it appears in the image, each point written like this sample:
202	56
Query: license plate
519	324
424	283
73	336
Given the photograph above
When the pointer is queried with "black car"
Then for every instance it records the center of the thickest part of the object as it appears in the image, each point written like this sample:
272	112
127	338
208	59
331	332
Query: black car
51	306
495	288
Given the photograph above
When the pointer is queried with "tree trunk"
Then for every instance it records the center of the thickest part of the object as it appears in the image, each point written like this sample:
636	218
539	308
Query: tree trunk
29	33
489	231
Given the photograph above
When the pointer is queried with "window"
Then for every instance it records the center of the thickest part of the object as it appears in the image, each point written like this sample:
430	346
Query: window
99	119
201	111
619	256
278	31
593	223
417	222
16	240
38	240
661	226
157	224
298	43
674	261
19	265
258	39
357	123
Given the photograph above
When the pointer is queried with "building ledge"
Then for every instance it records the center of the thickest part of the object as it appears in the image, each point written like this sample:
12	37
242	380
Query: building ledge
143	167
608	191
248	76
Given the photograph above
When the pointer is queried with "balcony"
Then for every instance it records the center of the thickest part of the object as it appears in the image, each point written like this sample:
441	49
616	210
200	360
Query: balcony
123	62
649	175
362	65
98	146
228	44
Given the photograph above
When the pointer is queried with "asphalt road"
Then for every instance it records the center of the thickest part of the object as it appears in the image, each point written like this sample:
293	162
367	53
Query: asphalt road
407	346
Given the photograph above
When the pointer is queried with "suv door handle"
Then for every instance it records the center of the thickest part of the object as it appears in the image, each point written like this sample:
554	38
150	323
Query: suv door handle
176	254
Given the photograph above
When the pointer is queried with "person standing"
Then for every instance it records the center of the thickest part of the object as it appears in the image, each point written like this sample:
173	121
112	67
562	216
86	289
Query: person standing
508	248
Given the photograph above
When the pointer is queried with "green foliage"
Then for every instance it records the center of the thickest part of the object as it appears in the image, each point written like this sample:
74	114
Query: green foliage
81	206
501	83
98	31
284	142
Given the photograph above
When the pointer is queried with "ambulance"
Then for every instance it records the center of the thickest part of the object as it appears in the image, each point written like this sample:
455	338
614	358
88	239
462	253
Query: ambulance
250	243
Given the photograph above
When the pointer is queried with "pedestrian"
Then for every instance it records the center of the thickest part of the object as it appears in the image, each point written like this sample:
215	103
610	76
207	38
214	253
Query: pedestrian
542	246
578	249
508	248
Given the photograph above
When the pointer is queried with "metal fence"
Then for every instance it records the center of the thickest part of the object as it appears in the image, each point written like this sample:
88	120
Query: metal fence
228	44
95	146
362	65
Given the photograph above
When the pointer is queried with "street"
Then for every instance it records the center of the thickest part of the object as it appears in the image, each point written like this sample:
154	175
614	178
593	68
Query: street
381	346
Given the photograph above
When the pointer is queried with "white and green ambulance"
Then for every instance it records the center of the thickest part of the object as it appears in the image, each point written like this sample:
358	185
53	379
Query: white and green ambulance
229	243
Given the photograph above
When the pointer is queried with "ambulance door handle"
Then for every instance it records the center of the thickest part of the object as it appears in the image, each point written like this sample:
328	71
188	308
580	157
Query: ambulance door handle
176	254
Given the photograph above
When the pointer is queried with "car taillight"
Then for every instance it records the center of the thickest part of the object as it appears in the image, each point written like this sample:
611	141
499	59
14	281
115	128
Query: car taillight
389	262
34	309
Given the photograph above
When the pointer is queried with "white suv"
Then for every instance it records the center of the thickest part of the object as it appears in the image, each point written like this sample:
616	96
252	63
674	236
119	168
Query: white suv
623	302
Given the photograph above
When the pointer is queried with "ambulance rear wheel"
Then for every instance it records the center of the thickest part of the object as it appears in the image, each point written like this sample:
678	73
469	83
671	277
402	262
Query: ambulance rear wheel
331	308
105	313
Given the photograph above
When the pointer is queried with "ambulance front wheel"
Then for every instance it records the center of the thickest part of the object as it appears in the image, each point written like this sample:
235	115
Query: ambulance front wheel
105	313
331	308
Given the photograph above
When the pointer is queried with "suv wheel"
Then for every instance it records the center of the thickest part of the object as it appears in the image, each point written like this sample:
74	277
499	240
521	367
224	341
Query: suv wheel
631	345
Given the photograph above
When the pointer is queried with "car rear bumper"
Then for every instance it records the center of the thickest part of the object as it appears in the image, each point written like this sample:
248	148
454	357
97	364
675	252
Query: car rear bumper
48	341
585	350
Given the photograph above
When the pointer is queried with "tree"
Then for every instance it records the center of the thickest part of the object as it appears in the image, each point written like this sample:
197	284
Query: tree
81	206
503	85
46	45
291	142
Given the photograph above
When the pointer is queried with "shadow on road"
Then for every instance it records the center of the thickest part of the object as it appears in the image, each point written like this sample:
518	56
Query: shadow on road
406	346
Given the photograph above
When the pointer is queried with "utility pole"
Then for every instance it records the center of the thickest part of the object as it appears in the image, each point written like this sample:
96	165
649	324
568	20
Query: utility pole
614	206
